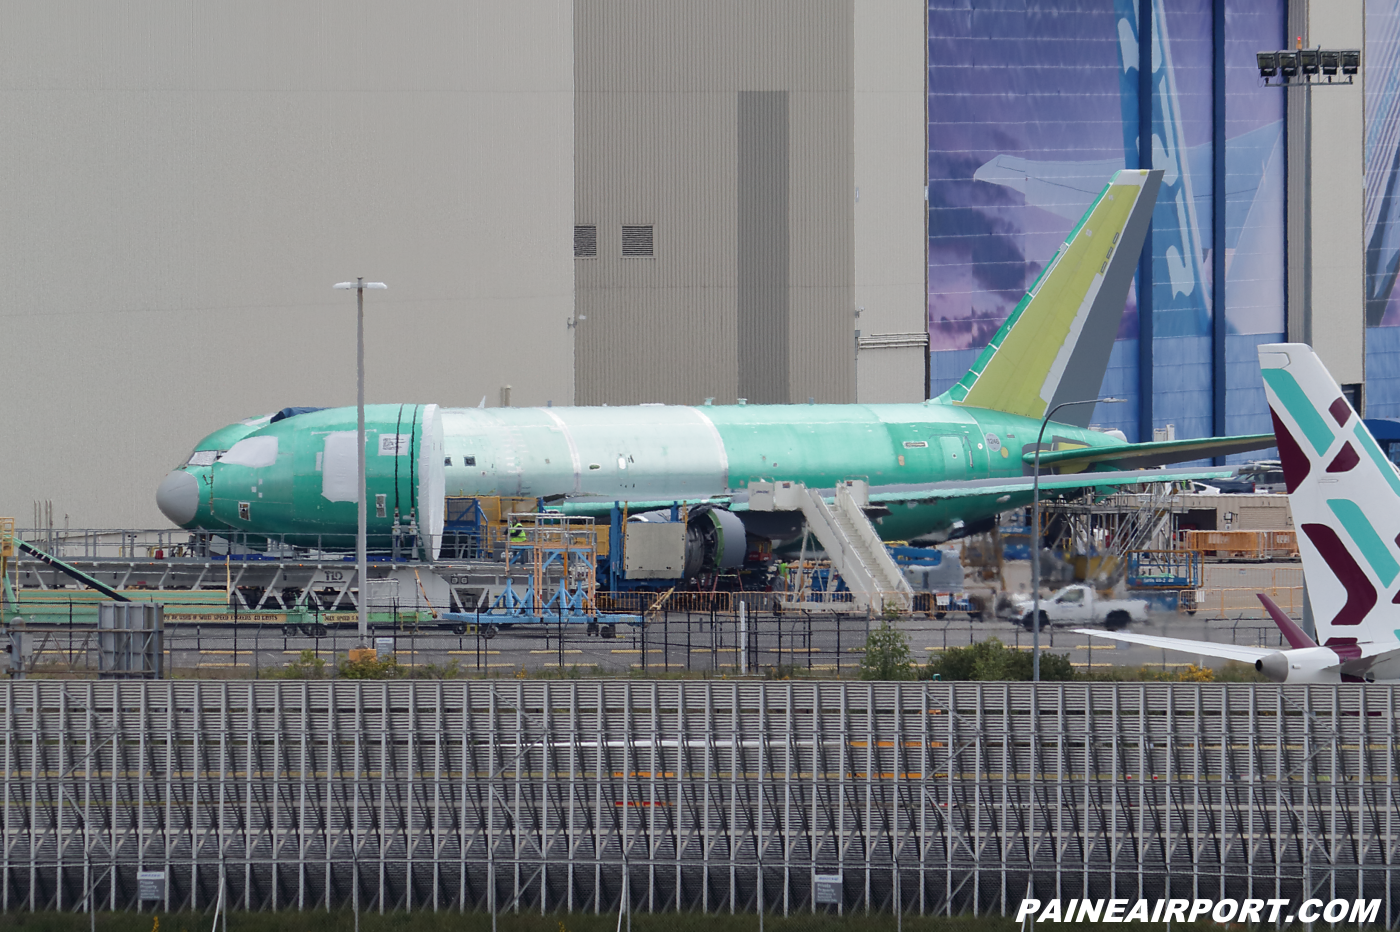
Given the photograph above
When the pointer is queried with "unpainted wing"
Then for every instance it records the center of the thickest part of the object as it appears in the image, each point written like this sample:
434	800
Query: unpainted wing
1157	453
1208	648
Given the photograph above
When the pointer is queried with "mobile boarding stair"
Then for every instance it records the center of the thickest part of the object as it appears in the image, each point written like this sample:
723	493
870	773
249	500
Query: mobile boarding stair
853	546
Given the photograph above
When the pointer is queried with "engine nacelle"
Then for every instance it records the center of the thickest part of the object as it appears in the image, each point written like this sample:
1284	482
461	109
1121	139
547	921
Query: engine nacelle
715	538
1304	665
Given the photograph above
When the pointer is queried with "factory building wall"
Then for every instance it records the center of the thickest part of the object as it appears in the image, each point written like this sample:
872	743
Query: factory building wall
183	184
726	128
1327	258
890	175
776	152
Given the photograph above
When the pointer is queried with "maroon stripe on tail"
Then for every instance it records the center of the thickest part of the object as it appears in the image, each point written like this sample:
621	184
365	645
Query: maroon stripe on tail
1295	462
1345	460
1340	411
1361	595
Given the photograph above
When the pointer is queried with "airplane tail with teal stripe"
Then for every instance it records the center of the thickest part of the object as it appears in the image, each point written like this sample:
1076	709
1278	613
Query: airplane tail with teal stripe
1345	498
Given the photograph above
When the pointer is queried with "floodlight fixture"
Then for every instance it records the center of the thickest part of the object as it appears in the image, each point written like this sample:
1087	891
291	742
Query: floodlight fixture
1308	67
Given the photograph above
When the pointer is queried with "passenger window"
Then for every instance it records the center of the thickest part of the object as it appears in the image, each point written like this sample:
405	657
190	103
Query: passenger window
1074	596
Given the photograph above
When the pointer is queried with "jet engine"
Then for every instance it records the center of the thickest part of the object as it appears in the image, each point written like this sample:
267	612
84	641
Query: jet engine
715	539
1304	665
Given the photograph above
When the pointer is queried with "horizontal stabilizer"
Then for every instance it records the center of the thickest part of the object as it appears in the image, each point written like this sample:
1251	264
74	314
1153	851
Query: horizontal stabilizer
1297	638
1157	453
1206	648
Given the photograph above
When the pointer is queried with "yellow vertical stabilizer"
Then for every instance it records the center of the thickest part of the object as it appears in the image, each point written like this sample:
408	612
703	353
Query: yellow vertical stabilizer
1055	345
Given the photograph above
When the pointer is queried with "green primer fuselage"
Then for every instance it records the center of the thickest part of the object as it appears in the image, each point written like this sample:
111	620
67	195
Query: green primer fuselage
604	454
296	476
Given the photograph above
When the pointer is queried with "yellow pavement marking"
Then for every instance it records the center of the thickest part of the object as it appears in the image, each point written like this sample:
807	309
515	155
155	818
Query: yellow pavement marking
1096	646
627	651
1173	666
297	653
565	651
471	653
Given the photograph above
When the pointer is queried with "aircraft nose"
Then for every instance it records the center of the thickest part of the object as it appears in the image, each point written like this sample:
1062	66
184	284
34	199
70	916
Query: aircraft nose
178	497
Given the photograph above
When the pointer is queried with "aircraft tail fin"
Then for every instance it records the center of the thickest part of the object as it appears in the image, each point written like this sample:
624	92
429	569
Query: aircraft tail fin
1055	345
1296	637
1345	499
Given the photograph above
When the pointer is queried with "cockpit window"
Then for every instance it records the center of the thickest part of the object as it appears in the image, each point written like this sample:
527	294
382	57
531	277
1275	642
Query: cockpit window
291	412
204	457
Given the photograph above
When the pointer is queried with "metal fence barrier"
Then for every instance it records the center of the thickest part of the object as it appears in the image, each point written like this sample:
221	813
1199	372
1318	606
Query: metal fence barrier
130	638
670	643
711	796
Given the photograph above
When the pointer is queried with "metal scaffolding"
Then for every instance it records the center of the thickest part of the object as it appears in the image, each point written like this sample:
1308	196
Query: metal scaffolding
713	796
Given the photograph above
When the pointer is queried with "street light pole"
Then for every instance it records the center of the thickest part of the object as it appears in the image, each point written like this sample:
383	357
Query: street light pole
1035	530
361	557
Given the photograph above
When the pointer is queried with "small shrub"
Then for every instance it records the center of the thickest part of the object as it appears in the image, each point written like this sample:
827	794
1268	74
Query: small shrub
993	660
370	668
1194	674
887	655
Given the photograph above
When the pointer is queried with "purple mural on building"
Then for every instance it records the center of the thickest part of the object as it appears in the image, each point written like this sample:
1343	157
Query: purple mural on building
1032	109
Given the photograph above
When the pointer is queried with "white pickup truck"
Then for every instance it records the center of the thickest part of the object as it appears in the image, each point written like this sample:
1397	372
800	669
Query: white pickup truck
1082	605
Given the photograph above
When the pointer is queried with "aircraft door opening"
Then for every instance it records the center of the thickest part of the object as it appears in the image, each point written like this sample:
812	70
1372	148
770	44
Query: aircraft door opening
955	456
